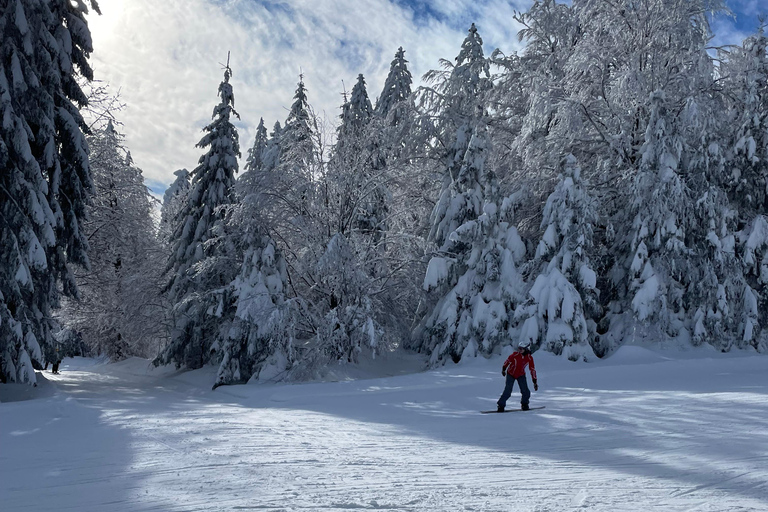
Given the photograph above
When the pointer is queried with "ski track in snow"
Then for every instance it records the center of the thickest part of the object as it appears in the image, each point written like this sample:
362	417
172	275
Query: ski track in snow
666	435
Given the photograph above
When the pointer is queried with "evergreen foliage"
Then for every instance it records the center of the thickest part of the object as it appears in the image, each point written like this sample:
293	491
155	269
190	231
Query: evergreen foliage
446	220
203	255
45	181
397	88
174	200
563	302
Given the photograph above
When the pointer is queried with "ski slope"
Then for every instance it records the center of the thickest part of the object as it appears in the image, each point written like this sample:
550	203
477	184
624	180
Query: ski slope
642	430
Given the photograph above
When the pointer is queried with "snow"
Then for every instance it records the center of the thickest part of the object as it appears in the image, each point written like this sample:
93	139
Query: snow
437	273
758	238
650	429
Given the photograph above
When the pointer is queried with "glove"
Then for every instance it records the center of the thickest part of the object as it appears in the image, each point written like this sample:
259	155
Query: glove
535	385
503	372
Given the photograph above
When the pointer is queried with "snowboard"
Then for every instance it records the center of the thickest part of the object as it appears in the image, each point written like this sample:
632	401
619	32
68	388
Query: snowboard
514	410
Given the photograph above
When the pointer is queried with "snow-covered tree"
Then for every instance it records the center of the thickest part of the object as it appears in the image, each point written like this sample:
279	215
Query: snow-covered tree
259	343
458	102
348	327
256	153
45	183
356	185
298	155
203	261
360	111
475	316
120	312
397	88
474	277
174	199
661	206
749	167
747	71
259	165
271	156
560	313
754	308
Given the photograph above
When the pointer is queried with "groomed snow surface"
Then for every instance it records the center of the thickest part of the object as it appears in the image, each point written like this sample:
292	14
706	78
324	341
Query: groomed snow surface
643	430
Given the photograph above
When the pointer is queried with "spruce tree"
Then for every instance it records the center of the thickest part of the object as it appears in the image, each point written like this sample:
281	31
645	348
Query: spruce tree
356	182
460	106
259	342
748	184
360	110
457	101
46	182
397	88
255	160
749	180
479	263
563	303
297	154
174	200
271	156
202	260
661	205
253	174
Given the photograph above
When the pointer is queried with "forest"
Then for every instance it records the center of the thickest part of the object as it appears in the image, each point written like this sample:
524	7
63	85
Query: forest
605	185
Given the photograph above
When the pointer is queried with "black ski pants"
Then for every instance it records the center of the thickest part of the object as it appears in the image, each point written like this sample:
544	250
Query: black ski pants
522	382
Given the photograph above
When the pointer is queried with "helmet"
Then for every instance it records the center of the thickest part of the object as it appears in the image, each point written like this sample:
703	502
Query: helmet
524	344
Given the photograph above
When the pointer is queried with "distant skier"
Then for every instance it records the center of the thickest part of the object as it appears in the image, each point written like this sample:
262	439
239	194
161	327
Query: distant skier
56	362
514	370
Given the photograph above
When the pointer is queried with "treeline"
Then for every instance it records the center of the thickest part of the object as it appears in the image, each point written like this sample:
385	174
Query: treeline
606	184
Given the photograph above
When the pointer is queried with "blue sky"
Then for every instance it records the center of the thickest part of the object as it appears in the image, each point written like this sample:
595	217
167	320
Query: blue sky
165	58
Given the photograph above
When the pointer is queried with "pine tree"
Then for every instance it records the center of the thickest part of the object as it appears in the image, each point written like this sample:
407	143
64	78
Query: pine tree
261	178
253	175
749	180
475	277
355	179
460	105
348	327
360	110
297	154
174	199
45	183
563	302
202	260
397	88
256	153
271	156
457	103
715	276
748	184
259	343
661	205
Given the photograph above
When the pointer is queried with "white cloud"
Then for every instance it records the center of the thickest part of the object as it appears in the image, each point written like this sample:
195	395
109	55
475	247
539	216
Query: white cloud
166	59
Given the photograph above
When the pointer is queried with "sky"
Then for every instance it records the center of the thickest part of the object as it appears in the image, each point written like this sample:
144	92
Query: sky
166	58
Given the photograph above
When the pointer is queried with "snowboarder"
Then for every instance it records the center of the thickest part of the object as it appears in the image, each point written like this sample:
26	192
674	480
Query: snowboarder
514	370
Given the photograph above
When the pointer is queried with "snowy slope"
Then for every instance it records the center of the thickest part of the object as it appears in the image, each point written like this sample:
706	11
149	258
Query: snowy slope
640	431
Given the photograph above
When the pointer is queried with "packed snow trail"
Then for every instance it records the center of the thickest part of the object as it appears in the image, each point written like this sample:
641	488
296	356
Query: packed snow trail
640	431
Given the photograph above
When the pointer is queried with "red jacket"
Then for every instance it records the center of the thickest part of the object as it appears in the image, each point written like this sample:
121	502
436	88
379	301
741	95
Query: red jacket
516	363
